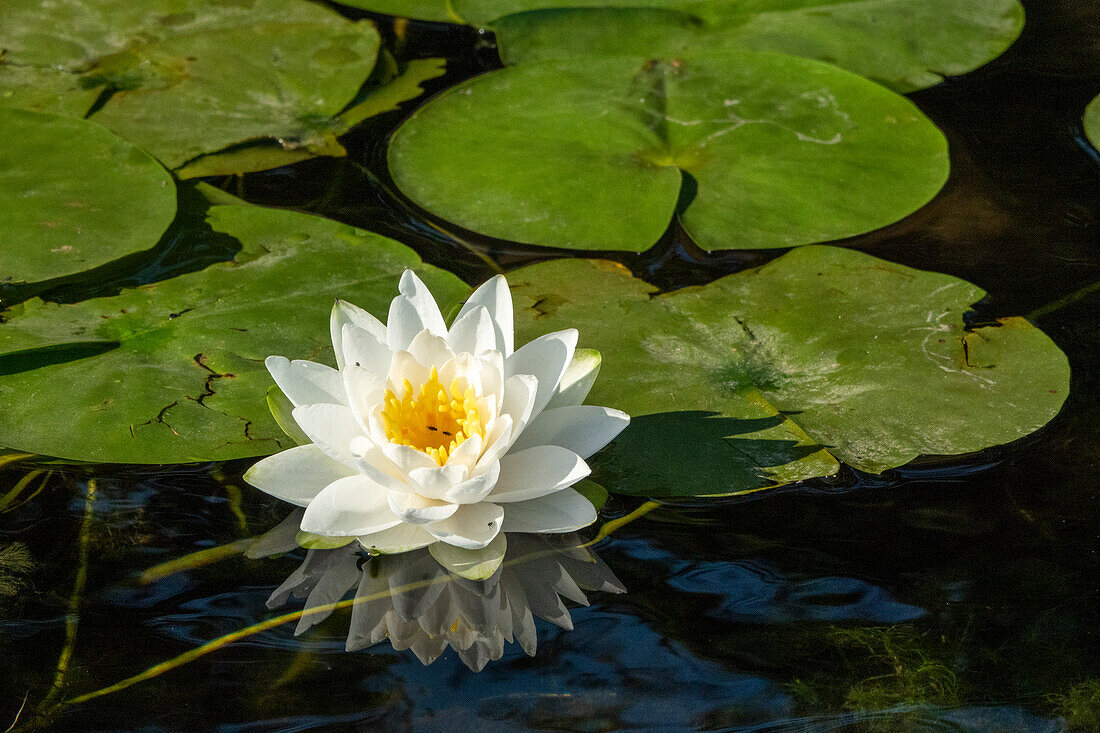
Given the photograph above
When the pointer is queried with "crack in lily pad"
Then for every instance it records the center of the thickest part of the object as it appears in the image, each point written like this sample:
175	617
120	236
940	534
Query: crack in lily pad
185	78
75	196
776	374
173	371
590	153
1091	122
905	44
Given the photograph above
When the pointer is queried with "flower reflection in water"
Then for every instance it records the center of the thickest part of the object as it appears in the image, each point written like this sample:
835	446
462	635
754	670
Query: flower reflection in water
426	600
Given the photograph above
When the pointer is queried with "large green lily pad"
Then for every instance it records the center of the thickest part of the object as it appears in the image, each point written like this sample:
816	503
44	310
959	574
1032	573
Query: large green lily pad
587	153
777	373
74	196
1092	122
905	44
173	372
189	76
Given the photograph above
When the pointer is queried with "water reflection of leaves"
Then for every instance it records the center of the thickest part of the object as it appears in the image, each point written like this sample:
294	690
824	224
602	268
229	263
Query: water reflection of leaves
418	604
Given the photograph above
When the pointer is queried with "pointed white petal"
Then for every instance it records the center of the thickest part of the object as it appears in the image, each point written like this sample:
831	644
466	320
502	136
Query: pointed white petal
474	489
365	349
546	358
331	428
562	511
306	382
434	482
400	538
497	441
473	332
350	506
430	350
366	390
344	313
405	458
578	379
538	471
372	463
421	298
583	429
416	509
467	453
472	526
493	295
402	324
520	393
296	475
405	366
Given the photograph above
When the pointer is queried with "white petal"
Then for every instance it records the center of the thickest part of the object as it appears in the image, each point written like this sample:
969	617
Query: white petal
520	393
473	526
497	442
344	313
421	298
364	349
405	366
306	382
583	429
474	489
546	358
366	391
562	511
331	428
535	472
466	454
406	458
430	350
493	295
296	475
372	463
350	506
401	538
473	332
416	509
435	481
578	379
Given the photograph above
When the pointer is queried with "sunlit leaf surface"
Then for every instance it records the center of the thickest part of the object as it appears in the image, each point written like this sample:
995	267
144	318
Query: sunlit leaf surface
74	196
760	150
777	373
173	371
1092	122
905	44
186	78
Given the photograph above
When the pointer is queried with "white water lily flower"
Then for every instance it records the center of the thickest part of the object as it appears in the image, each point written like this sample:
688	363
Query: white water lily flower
428	434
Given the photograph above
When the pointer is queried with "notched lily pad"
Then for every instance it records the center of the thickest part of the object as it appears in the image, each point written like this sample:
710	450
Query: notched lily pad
760	150
824	355
173	372
74	196
186	78
904	44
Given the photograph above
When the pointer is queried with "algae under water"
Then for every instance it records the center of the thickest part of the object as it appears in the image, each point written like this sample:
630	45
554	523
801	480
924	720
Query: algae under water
950	593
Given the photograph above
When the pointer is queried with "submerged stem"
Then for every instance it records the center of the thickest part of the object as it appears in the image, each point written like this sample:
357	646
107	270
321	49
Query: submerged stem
72	614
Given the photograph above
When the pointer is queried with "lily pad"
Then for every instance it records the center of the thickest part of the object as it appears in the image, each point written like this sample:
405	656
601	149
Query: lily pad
905	44
760	151
824	355
173	372
186	78
74	196
1092	122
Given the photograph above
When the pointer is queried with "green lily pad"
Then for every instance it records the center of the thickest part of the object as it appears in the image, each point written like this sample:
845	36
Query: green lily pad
269	154
173	372
74	196
905	44
194	76
824	355
1092	122
590	153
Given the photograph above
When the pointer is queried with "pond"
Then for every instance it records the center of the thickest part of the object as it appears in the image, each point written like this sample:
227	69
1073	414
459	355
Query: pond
883	592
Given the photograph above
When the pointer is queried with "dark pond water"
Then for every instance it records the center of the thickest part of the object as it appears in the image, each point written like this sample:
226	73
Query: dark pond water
955	594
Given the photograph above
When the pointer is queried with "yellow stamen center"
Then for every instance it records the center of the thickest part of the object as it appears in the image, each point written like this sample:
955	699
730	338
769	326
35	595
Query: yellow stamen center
433	419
